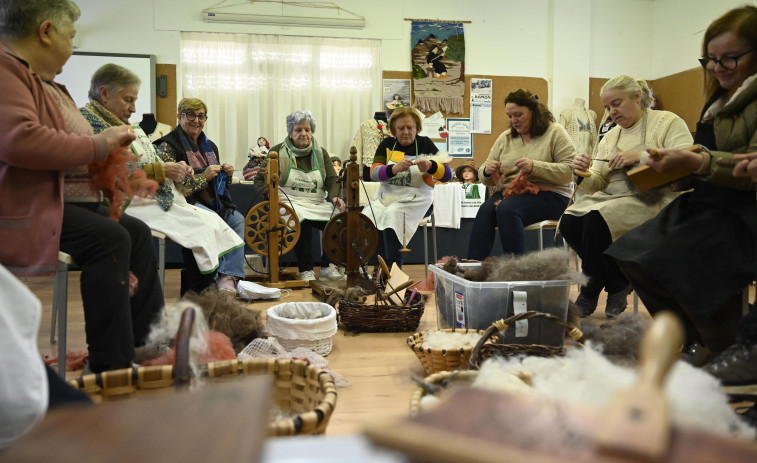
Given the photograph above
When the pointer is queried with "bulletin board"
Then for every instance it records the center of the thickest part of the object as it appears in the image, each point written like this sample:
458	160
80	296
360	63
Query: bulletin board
502	85
77	75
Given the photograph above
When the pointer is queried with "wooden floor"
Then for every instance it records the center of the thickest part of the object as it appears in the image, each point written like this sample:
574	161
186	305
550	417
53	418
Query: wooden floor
378	366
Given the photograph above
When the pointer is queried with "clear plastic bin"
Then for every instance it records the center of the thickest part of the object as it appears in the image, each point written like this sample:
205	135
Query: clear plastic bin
462	303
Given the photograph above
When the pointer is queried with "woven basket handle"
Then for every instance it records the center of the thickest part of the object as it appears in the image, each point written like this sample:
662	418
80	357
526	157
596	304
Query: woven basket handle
182	372
504	323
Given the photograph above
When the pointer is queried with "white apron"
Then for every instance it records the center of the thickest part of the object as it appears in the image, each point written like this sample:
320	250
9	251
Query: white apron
303	191
202	231
402	202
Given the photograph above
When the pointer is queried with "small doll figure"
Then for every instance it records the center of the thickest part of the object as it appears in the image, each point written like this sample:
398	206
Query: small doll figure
256	155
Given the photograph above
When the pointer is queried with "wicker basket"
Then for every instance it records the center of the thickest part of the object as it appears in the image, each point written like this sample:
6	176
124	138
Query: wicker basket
435	360
483	349
382	318
299	388
314	334
443	379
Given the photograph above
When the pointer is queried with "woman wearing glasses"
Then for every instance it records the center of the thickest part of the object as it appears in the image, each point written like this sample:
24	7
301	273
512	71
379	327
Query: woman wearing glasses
699	253
209	189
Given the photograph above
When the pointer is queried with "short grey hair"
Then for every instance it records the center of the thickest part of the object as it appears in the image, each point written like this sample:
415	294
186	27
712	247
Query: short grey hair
630	86
296	118
113	77
20	18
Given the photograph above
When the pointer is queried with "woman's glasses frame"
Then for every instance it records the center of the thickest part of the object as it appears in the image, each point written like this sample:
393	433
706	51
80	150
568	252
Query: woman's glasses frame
192	116
728	63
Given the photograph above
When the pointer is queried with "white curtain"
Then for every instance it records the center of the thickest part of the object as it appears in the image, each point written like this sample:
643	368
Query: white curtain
251	82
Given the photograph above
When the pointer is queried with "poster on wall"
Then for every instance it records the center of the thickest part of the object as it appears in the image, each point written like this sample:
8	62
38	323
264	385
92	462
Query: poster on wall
481	105
396	94
438	64
432	125
459	138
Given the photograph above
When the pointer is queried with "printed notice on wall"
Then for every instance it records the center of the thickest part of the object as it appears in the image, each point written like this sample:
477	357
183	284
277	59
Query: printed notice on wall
481	105
459	138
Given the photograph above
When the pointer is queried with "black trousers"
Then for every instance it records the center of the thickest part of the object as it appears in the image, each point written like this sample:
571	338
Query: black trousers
589	237
303	249
106	251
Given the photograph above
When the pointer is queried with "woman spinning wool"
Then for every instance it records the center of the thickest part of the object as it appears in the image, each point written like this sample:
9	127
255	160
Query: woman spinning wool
407	174
613	204
205	237
310	186
536	146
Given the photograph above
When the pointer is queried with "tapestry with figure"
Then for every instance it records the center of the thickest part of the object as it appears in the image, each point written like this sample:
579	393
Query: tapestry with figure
438	56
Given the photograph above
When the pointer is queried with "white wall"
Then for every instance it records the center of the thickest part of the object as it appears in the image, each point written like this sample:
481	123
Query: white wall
562	41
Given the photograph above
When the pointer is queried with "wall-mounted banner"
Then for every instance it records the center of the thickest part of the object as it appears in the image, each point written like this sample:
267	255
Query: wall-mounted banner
459	138
438	63
481	105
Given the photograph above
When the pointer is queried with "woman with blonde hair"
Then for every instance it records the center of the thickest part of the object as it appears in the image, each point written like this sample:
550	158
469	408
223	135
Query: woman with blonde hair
612	205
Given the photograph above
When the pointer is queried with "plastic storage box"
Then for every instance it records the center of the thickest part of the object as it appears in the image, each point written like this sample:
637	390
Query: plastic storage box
462	303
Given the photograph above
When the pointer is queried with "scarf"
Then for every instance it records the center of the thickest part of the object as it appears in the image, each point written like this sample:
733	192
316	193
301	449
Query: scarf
164	195
200	157
293	153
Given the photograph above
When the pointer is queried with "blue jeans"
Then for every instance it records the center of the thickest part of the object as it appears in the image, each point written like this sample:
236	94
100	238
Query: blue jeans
231	263
511	216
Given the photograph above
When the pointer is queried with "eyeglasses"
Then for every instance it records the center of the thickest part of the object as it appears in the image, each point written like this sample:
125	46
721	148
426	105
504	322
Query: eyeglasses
727	62
193	116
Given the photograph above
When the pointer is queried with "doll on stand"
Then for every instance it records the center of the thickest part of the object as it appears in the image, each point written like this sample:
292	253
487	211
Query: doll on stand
256	156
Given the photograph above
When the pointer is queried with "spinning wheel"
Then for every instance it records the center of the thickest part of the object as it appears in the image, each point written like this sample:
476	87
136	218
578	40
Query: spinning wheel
257	227
336	241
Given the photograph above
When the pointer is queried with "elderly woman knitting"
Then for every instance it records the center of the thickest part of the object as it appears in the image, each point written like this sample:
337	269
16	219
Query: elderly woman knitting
206	239
208	189
310	185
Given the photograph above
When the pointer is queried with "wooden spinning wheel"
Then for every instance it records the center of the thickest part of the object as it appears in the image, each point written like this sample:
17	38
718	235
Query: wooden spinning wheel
337	243
256	228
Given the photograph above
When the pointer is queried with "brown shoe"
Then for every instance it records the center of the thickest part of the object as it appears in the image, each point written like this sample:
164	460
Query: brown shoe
226	283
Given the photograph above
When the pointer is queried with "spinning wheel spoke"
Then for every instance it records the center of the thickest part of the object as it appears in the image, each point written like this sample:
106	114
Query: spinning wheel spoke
256	228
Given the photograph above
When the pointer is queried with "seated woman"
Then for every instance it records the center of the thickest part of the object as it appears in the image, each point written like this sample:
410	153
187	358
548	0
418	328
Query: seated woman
407	174
699	253
535	145
204	236
613	205
310	186
209	187
45	135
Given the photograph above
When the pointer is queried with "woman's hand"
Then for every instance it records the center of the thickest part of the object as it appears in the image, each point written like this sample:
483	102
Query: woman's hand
491	167
672	158
524	165
402	166
337	201
423	164
229	169
624	159
581	162
212	172
747	166
176	171
116	137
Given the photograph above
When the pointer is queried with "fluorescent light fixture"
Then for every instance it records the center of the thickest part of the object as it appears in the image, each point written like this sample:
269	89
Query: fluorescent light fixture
356	22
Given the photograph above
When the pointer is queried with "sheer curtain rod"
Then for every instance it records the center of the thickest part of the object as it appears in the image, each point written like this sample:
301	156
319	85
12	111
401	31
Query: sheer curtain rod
436	20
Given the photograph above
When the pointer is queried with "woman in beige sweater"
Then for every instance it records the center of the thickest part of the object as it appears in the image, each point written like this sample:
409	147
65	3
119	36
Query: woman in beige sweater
534	145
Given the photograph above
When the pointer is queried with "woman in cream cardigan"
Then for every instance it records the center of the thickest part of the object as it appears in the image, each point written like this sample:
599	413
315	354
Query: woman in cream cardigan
612	205
535	145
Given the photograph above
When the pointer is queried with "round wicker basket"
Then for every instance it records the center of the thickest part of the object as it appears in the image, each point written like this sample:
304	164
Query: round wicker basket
435	360
445	378
306	393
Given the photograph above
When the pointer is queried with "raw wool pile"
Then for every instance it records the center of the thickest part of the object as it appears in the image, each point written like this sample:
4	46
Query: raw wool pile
618	340
299	311
164	330
225	314
549	264
587	377
449	340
